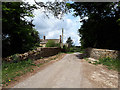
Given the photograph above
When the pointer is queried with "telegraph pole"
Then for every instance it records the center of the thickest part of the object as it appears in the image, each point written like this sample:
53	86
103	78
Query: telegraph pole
62	38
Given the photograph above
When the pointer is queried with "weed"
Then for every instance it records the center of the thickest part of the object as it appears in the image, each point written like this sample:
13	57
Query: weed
3	82
109	62
82	51
86	59
41	57
109	67
89	62
11	70
96	62
69	52
18	74
15	58
14	69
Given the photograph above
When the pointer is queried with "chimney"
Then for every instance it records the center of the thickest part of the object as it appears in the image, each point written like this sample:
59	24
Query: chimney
60	38
43	37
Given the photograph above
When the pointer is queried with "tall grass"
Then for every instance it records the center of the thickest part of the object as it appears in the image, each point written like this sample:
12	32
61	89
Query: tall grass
11	70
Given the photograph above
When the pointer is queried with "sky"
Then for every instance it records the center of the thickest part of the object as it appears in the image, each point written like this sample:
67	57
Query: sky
52	27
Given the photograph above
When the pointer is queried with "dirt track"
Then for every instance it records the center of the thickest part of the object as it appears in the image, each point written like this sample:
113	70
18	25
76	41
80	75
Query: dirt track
70	72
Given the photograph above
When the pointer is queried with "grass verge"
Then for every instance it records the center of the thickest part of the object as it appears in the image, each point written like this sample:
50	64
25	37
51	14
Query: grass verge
12	70
109	62
69	52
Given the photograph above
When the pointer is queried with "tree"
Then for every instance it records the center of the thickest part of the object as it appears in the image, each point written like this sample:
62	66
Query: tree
69	42
58	9
18	34
101	29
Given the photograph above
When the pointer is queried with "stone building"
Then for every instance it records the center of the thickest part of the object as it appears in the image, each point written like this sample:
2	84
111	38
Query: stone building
44	41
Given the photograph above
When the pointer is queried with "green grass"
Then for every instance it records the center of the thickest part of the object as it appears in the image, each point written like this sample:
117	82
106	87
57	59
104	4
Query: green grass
69	52
18	68
86	59
96	62
12	70
110	63
82	51
73	49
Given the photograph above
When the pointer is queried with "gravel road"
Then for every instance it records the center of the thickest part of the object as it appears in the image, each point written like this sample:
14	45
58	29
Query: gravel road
66	73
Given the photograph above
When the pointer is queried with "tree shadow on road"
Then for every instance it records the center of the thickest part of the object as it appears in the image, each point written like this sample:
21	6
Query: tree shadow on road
81	56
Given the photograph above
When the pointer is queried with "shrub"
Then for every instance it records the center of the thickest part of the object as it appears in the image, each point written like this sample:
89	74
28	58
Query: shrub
57	45
52	43
65	49
72	49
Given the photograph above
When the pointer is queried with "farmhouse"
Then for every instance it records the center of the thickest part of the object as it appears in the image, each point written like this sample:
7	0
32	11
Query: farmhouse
44	41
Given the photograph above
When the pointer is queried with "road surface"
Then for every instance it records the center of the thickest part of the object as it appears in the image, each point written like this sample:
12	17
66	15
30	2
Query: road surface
65	73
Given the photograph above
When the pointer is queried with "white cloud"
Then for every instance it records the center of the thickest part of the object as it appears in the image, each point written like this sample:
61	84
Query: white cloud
52	27
54	34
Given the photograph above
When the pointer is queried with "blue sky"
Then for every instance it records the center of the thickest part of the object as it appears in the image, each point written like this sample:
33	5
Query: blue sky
52	27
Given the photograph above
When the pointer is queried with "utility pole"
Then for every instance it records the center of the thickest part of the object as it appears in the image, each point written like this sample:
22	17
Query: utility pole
62	38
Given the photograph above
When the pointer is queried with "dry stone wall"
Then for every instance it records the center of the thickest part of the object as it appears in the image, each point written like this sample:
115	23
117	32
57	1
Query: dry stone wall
101	53
34	54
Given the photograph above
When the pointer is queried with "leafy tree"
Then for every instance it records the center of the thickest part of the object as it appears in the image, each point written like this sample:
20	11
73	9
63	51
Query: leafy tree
58	9
69	42
101	29
18	34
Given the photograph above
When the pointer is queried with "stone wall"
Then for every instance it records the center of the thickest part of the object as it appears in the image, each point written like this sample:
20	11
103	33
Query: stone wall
101	53
34	54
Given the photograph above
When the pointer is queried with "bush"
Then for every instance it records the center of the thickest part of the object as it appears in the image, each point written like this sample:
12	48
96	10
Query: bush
75	49
35	46
52	43
71	49
64	49
57	45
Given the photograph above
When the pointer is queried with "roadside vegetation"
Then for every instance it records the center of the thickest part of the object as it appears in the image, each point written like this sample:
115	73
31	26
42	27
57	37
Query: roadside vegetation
74	49
19	34
103	17
11	70
15	69
52	43
69	47
108	62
